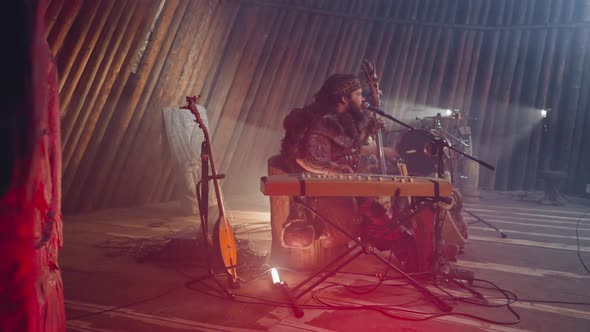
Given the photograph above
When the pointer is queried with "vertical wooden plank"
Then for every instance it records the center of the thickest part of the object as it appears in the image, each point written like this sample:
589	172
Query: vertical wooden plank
356	50
134	94
146	144
416	83
511	128
63	24
441	60
212	47
209	42
478	37
167	168
383	50
457	62
485	89
250	46
307	82
51	15
390	65
378	39
90	84
578	172
535	155
573	91
206	10
272	120
417	35
87	155
555	103
90	109
235	140
426	77
150	140
274	52
402	59
73	59
499	136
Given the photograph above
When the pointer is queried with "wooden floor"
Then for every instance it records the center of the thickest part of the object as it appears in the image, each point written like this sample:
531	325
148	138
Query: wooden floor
123	272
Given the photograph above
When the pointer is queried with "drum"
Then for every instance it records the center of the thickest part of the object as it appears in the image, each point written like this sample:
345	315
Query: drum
453	231
410	148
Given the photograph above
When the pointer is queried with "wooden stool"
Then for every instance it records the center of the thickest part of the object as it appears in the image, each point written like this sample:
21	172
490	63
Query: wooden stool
553	181
340	210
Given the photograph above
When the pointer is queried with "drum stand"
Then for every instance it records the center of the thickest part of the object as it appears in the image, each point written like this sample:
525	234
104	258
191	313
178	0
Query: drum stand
360	247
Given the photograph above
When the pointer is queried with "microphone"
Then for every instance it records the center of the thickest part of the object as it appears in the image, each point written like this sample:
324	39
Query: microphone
373	108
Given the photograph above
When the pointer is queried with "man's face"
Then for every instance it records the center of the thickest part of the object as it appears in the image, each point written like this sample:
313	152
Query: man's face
355	101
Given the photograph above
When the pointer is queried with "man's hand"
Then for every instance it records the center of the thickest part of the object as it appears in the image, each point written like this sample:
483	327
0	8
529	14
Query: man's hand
343	168
390	153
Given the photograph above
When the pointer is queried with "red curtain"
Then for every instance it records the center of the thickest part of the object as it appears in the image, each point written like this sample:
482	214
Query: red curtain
30	205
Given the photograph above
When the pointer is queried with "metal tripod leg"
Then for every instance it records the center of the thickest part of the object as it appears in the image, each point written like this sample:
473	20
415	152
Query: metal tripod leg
502	234
365	248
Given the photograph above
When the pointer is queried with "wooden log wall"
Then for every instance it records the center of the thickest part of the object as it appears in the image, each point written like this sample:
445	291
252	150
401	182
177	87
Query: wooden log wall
498	61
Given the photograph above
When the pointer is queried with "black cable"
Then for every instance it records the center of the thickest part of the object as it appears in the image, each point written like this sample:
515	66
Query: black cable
383	309
578	241
378	308
554	302
516	298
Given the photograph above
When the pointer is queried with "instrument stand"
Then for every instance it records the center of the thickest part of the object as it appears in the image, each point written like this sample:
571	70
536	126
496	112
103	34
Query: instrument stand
341	261
437	148
203	203
440	145
478	219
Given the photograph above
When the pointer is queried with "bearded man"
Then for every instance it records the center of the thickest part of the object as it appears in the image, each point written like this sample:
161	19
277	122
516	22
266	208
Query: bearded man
328	137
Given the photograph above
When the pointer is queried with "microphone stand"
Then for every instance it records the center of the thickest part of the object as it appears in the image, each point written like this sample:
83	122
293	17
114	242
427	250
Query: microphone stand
477	218
439	145
439	142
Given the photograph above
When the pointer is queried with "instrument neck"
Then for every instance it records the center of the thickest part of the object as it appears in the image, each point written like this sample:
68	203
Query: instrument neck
380	151
214	176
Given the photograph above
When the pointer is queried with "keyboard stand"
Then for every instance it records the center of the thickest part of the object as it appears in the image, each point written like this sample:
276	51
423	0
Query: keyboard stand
341	261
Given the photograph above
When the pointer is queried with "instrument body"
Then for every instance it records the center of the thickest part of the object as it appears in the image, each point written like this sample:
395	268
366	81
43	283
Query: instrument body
223	234
308	184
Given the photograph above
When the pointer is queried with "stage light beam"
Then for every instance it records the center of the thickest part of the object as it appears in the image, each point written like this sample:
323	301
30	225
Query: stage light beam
544	113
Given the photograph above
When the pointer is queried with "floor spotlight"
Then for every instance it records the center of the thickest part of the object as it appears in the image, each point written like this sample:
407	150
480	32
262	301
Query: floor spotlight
275	276
276	281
